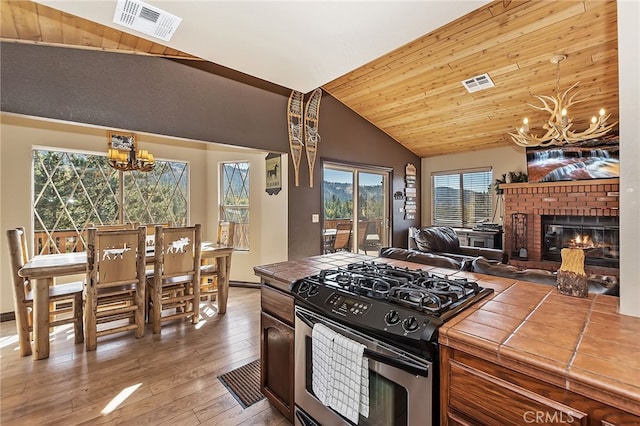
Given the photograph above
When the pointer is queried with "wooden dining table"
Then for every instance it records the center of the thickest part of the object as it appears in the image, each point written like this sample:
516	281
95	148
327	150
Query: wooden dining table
41	270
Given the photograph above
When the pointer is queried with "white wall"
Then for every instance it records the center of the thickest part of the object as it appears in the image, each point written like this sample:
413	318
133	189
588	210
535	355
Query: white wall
267	213
501	160
19	134
629	91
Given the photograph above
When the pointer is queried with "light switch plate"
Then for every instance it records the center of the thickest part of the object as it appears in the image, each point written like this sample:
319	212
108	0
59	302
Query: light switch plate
315	218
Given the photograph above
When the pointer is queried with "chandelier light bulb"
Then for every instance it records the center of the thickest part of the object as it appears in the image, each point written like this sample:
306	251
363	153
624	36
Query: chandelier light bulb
126	160
525	125
601	112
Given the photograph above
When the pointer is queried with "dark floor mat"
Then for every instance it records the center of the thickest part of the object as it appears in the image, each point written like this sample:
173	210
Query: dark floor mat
244	383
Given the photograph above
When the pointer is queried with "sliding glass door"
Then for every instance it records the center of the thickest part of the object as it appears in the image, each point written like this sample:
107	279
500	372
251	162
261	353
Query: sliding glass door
355	207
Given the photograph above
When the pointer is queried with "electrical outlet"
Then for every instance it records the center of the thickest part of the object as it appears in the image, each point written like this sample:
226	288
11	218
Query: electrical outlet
315	218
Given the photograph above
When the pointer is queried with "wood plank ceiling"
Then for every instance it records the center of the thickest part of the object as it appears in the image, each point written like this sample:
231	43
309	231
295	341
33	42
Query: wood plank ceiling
414	94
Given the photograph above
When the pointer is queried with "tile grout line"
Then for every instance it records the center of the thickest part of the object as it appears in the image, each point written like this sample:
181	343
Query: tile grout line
524	320
580	337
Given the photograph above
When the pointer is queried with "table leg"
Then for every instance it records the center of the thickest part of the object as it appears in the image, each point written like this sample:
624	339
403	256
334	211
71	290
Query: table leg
223	283
41	318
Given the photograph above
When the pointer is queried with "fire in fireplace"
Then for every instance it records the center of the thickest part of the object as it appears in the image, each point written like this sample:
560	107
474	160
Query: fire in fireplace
598	236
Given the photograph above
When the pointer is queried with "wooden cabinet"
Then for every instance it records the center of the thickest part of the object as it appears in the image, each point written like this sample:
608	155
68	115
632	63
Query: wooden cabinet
276	349
475	391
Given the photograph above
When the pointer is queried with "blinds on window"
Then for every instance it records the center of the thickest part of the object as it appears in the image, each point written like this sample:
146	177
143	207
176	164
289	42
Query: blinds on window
461	199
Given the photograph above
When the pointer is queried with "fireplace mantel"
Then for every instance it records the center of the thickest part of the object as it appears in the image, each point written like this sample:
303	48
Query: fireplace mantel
597	197
611	181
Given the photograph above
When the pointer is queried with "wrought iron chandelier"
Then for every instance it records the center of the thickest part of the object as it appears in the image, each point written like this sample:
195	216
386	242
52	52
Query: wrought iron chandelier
558	126
143	161
123	154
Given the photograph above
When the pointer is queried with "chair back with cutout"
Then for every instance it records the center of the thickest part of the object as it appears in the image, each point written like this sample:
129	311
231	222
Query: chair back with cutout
115	284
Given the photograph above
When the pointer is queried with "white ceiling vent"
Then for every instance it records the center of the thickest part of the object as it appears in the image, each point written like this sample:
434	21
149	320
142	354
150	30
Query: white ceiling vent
145	18
477	83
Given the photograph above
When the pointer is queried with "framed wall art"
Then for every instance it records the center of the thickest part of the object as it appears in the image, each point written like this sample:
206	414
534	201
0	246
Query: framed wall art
591	159
273	178
122	141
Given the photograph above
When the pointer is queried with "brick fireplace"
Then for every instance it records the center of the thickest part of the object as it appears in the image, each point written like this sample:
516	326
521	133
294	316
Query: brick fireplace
585	198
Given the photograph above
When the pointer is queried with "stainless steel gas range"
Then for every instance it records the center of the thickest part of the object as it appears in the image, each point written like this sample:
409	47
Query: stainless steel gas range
395	313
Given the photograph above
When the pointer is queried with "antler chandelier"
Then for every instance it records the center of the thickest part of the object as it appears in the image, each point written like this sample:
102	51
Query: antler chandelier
123	154
558	126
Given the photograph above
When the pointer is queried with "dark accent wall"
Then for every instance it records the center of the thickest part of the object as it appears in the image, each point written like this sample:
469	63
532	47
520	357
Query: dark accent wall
139	93
160	96
345	137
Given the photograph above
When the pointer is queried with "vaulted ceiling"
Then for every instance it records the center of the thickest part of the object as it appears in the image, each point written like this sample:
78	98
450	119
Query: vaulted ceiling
414	92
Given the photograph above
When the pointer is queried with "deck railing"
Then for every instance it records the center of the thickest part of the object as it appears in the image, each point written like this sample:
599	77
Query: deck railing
333	224
59	241
70	241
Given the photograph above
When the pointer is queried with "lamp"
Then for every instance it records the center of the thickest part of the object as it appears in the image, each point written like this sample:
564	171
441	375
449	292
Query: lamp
558	126
123	154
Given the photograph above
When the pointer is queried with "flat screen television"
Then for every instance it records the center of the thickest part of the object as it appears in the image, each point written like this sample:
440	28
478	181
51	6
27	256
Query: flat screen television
590	159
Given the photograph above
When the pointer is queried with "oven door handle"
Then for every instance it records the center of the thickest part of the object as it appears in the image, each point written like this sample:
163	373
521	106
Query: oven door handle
408	366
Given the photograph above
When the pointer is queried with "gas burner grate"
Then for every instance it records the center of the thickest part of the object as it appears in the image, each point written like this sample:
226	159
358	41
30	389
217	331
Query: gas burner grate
420	300
378	288
412	288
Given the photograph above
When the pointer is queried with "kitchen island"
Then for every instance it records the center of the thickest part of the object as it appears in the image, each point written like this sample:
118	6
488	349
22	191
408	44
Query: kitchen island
529	354
525	354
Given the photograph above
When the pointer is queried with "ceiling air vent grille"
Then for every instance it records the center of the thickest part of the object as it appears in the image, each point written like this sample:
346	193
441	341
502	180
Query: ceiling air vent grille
477	83
145	18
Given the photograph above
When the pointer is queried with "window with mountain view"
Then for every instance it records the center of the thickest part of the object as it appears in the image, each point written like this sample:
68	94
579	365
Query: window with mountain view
234	200
461	199
72	190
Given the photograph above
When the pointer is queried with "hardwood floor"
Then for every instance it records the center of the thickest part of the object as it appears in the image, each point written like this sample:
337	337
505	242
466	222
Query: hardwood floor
159	379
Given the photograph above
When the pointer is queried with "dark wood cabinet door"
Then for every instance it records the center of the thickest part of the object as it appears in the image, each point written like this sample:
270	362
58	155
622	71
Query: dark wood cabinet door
494	401
478	392
276	376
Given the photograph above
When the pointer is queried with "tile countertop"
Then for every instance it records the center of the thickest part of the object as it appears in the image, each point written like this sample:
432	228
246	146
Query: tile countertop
579	344
283	274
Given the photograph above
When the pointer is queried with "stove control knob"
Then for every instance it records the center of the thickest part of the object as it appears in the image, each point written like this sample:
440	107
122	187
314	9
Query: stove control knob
410	324
392	318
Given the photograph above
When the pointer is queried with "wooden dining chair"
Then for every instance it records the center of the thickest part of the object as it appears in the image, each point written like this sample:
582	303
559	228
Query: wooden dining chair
368	239
151	230
115	283
209	272
66	306
114	227
363	229
174	288
343	237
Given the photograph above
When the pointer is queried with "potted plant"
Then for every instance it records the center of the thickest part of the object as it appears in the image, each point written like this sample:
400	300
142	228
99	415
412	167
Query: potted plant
511	177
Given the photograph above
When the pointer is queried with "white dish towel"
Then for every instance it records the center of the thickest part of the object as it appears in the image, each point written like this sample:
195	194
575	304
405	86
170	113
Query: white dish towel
321	358
350	389
340	375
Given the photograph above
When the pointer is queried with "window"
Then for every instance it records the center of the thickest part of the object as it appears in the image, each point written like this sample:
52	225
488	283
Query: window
234	200
461	199
74	189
